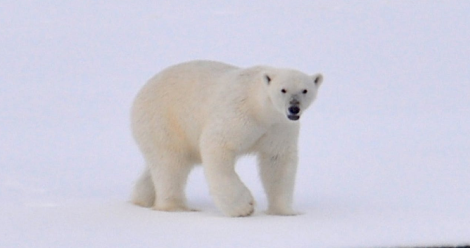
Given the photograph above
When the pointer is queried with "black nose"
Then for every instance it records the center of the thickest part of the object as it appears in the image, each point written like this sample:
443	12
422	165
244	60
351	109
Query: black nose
294	110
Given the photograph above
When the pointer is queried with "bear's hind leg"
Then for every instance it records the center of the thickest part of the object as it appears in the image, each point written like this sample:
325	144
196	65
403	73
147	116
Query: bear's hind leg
169	176
144	190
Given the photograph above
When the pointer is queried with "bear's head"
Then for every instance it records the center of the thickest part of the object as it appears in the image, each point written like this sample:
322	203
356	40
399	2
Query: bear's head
291	92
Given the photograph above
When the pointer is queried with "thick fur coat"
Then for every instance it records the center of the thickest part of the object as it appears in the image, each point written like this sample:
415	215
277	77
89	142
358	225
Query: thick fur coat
210	113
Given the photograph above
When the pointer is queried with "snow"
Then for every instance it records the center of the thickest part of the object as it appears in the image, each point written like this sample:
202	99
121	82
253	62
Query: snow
384	152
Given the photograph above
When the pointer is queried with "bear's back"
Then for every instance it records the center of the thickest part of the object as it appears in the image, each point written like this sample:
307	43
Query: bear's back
183	97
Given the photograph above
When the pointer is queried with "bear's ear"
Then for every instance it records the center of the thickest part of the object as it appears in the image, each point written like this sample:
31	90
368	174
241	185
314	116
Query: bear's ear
267	78
317	79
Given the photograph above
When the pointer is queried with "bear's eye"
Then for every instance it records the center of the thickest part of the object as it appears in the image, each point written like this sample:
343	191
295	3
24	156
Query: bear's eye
284	91
304	91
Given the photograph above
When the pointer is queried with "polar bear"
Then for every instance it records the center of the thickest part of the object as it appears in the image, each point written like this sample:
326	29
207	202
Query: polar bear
212	113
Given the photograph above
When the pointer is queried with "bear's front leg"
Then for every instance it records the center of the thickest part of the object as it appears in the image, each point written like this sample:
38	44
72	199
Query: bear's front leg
277	172
230	195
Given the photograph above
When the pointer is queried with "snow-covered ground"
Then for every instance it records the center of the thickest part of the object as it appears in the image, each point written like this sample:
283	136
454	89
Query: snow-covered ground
385	151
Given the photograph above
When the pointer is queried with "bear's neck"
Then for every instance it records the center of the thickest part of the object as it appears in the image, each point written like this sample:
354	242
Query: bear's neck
263	111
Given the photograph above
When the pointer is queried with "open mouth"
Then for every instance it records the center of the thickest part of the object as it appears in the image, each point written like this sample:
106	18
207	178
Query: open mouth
293	117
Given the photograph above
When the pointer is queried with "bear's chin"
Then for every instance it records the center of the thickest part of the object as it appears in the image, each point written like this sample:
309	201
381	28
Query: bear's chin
293	117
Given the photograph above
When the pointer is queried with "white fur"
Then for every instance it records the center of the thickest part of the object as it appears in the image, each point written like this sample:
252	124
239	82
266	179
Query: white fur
212	113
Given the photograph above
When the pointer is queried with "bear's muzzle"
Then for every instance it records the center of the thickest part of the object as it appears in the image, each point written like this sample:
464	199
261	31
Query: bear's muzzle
294	113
